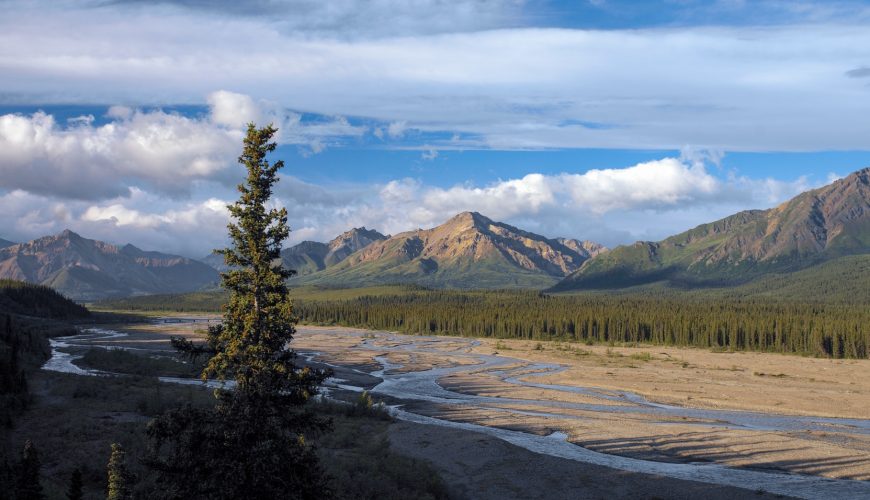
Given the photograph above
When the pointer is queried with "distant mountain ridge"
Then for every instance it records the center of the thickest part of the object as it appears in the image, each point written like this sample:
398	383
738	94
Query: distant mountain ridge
816	226
468	251
85	269
588	249
6	243
309	257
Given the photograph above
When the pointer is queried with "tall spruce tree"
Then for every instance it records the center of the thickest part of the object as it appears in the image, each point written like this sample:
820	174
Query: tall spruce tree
76	486
118	487
252	443
29	485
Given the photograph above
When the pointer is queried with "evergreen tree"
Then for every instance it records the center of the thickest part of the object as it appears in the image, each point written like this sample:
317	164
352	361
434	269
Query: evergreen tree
75	486
251	444
119	477
7	476
29	486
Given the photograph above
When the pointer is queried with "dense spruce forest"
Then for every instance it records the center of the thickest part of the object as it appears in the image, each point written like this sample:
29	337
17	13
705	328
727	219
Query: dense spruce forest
840	331
19	297
29	315
706	320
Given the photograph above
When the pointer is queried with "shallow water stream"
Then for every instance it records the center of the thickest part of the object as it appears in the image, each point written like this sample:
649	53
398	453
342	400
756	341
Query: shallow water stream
423	386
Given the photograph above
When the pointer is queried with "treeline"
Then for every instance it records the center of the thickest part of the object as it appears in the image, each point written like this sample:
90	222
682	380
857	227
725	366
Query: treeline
13	382
29	315
828	330
699	318
18	297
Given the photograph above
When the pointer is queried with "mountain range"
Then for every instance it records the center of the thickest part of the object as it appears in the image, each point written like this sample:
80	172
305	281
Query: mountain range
467	251
821	232
309	257
86	269
812	228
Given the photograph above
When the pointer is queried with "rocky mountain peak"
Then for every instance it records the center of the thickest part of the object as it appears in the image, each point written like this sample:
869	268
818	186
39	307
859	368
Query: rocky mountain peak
68	234
468	220
358	237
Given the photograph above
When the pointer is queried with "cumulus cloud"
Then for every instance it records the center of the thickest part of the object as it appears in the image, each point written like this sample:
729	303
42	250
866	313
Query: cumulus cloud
157	150
660	184
91	162
649	200
233	110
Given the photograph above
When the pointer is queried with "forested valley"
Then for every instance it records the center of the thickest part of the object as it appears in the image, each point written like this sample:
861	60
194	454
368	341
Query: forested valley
825	329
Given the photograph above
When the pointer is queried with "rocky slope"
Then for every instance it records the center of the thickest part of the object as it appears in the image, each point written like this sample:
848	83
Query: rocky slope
349	242
468	251
85	269
811	228
311	256
585	248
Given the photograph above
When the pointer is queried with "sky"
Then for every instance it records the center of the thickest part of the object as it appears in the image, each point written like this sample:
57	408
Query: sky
607	120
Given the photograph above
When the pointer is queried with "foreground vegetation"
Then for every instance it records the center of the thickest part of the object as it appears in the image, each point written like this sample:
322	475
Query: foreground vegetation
74	420
707	319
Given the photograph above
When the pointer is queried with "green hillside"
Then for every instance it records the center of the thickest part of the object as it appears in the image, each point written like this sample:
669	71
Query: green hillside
814	227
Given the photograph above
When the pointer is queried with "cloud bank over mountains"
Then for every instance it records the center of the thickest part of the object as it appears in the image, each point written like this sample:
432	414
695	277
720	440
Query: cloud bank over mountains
158	178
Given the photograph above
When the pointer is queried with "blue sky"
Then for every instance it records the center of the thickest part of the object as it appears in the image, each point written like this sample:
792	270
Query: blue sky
606	120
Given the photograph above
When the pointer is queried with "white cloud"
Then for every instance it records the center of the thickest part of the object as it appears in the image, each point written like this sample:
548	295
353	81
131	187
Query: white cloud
429	154
661	183
657	185
397	129
160	151
233	110
730	88
649	200
120	215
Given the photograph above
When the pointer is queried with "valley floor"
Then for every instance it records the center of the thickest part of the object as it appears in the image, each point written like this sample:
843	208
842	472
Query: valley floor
644	417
